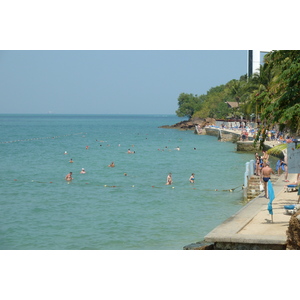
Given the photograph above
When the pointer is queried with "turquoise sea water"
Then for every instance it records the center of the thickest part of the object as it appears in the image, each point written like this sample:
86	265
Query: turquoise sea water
103	209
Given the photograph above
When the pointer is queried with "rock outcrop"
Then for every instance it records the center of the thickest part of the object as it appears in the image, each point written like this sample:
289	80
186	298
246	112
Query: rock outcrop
190	124
293	233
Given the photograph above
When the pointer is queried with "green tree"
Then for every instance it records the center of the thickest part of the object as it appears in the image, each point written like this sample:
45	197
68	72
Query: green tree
188	104
282	106
257	89
274	94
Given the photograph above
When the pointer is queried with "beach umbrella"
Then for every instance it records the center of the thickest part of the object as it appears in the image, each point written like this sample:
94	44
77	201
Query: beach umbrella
271	198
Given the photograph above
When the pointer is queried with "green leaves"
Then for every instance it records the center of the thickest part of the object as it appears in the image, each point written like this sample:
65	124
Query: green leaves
274	94
188	105
283	106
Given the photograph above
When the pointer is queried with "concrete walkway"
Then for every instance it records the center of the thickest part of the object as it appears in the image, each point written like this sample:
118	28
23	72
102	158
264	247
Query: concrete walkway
253	223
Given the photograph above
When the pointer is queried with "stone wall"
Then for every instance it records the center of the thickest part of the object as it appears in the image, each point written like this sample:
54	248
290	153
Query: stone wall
293	232
242	246
212	131
247	146
228	136
223	134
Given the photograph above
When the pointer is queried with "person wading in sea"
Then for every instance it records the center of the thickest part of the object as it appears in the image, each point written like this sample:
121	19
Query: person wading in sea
69	177
169	179
192	178
265	176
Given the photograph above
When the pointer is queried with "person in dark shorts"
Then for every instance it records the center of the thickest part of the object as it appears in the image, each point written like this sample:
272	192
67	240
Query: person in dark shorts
265	176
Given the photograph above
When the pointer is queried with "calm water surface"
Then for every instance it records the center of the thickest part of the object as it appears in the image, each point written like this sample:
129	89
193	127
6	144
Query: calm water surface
104	209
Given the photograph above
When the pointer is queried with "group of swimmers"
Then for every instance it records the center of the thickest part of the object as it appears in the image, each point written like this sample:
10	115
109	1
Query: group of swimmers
170	180
69	177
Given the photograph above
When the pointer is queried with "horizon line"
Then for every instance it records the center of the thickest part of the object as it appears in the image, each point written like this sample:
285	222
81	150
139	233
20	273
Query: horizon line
80	114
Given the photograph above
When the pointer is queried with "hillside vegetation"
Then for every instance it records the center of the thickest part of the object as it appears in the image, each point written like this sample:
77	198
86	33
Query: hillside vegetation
271	96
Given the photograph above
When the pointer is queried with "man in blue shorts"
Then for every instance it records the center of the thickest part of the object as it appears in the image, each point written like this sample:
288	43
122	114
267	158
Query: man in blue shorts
265	176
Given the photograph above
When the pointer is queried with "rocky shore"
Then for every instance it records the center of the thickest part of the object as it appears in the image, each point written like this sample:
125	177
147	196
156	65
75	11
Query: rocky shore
190	124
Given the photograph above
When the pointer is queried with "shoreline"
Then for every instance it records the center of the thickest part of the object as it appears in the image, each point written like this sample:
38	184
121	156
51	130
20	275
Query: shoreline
251	227
225	135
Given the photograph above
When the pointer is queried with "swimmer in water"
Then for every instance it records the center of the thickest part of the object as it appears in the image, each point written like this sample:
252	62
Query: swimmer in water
192	178
169	179
82	171
69	176
71	160
112	165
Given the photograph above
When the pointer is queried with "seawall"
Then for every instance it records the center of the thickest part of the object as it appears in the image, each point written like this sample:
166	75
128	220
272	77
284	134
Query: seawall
223	135
252	227
234	136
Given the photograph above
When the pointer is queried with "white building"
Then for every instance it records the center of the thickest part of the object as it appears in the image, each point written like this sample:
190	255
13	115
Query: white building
254	61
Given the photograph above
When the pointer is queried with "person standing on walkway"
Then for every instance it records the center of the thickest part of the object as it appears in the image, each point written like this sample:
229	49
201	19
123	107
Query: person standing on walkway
265	176
265	156
298	182
285	165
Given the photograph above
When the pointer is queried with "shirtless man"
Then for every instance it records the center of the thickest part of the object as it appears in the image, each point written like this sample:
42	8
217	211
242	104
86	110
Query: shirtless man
112	165
265	176
69	177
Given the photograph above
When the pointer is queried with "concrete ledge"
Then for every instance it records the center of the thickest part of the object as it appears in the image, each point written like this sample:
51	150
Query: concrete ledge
226	231
252	225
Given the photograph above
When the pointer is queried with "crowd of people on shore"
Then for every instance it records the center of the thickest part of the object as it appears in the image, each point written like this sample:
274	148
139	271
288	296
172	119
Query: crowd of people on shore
264	171
248	129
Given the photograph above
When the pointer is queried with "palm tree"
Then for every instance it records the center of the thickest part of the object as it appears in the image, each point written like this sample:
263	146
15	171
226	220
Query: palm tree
277	150
283	105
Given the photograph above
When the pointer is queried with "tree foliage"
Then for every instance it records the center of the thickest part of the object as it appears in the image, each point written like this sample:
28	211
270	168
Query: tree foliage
273	95
188	105
282	104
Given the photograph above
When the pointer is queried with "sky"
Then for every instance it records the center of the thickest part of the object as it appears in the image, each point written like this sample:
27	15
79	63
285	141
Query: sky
127	57
111	81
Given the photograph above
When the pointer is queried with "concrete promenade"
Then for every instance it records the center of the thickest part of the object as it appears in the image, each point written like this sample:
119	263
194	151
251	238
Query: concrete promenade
234	135
252	226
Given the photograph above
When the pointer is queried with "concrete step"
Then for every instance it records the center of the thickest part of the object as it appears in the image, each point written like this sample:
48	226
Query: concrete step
253	189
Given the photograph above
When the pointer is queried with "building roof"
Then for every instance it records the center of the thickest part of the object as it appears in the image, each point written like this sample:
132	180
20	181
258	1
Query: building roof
233	104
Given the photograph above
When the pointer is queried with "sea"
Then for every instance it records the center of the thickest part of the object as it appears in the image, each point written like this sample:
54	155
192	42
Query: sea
126	207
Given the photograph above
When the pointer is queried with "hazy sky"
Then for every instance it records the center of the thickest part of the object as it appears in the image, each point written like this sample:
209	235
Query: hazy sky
111	82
